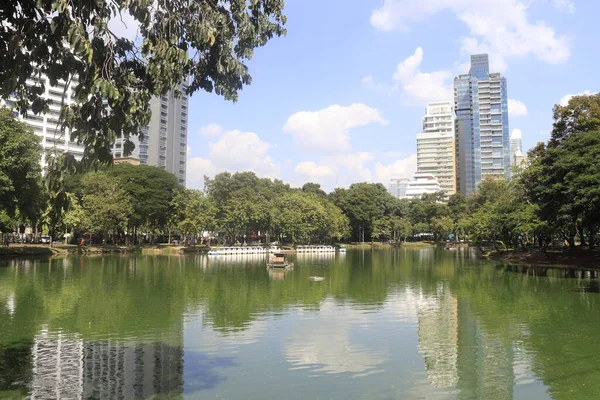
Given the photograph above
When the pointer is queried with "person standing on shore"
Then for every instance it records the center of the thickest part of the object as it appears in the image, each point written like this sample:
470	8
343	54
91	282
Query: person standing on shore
7	241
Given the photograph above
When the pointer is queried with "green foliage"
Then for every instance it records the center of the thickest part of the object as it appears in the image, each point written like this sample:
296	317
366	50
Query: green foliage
363	203
194	212
105	207
21	191
582	114
151	189
205	43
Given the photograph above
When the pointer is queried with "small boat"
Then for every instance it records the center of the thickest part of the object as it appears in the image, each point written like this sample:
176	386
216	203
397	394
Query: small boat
316	278
342	249
278	260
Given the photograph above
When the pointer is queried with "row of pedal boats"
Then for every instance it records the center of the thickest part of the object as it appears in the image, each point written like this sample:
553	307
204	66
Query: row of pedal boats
243	250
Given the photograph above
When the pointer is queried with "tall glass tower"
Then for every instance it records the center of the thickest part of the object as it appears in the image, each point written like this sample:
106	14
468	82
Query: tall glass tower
482	140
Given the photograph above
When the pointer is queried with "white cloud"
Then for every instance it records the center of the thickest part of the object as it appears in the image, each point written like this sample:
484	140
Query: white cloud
516	108
516	134
197	167
243	151
498	27
565	6
370	83
211	130
354	164
311	170
564	101
404	168
235	151
418	87
337	170
328	129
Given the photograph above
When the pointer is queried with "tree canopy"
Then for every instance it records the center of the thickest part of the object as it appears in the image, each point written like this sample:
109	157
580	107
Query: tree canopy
21	191
202	44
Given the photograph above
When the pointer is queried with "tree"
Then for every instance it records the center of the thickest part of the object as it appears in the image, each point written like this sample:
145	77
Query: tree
581	114
194	212
151	190
310	187
21	190
106	203
205	43
442	226
363	203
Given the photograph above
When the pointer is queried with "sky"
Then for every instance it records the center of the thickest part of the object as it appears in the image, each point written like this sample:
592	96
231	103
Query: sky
341	97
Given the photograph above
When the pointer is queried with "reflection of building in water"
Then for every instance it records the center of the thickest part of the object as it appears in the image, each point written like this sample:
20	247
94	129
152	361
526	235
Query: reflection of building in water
438	338
485	361
57	367
67	367
459	351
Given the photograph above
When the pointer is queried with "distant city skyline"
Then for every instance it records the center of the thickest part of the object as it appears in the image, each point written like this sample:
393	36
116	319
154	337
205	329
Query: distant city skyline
351	106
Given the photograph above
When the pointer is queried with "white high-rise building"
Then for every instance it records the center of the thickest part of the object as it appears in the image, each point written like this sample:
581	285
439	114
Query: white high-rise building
516	143
165	138
46	125
422	184
435	145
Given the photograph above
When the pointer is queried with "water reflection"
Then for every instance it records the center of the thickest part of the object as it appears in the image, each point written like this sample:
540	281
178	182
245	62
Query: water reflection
59	366
389	324
323	343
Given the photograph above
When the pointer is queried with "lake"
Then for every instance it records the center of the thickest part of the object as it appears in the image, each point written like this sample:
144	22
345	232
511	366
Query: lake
390	324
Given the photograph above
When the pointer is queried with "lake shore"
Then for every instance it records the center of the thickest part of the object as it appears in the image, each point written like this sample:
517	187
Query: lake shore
31	250
569	258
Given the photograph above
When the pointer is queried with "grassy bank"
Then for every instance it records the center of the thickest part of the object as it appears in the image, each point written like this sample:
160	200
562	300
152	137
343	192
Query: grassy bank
572	258
63	250
25	251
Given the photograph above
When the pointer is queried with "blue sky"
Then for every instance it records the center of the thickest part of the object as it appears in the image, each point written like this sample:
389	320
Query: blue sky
341	97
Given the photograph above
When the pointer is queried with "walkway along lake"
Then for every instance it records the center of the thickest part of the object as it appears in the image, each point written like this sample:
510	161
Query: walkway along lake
403	323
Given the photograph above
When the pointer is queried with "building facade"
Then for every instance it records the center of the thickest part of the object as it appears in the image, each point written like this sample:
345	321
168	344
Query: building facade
47	126
516	144
436	147
419	185
164	141
398	188
481	126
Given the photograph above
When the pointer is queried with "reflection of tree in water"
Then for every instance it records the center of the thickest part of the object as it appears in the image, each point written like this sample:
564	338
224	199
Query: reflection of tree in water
200	371
15	368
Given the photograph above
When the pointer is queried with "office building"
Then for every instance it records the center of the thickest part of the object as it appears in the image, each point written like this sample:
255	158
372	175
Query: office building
398	188
164	140
422	184
481	126
435	145
419	185
516	144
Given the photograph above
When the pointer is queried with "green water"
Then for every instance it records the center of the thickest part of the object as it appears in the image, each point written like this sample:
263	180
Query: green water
394	324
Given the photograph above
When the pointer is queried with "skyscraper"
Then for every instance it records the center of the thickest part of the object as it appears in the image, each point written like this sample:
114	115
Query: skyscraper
47	126
164	142
482	143
516	143
165	138
435	145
